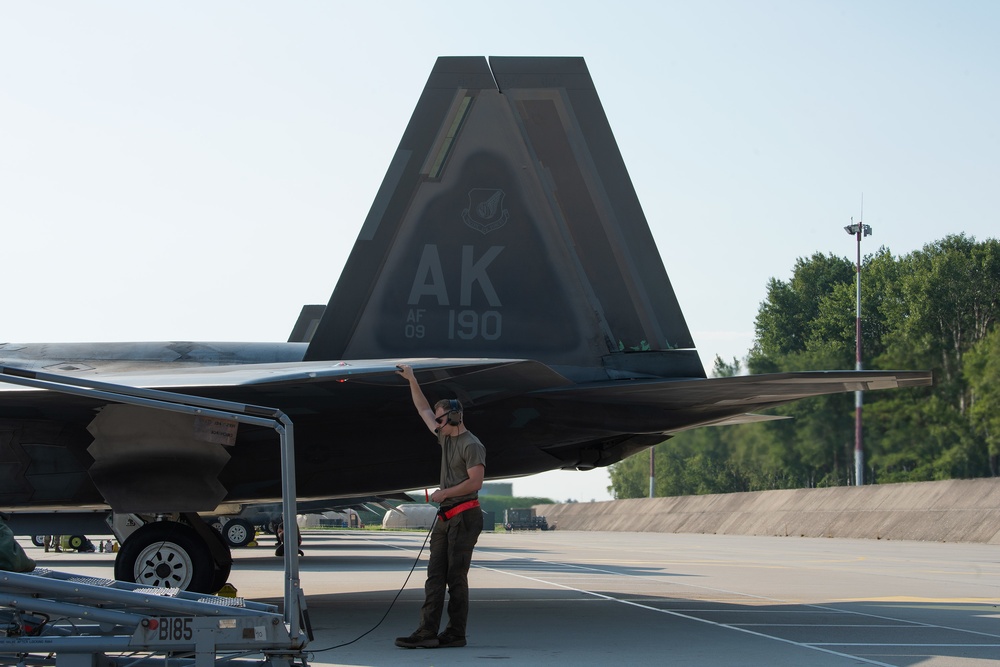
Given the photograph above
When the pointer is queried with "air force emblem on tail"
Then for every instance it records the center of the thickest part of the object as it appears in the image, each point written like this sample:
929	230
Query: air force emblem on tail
485	213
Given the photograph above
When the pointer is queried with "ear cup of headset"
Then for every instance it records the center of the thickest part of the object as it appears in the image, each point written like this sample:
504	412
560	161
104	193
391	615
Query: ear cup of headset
454	412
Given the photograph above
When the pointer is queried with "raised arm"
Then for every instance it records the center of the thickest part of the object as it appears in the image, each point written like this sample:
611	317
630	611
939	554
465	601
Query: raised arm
424	408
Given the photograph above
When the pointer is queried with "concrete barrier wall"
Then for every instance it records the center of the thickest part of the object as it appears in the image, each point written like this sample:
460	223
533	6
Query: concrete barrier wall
946	511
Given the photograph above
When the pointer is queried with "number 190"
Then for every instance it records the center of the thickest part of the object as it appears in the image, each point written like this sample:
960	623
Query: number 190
468	324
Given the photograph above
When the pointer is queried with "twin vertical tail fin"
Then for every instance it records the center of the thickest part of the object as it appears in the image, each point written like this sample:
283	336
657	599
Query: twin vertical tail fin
507	227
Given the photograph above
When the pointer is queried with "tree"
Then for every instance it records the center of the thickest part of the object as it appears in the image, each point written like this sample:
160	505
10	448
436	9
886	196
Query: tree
982	370
935	308
951	289
721	369
784	323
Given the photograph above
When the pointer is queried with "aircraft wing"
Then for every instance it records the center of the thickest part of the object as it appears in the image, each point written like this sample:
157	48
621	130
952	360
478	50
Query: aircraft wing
755	391
687	403
476	380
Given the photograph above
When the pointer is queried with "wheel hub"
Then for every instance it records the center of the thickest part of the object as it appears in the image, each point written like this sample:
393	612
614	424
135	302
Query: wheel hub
163	565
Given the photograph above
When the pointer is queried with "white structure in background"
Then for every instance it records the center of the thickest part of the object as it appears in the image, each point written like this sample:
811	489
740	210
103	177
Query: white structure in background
348	518
410	515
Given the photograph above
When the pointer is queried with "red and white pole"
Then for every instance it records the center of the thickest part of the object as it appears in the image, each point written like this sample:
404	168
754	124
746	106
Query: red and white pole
859	454
858	230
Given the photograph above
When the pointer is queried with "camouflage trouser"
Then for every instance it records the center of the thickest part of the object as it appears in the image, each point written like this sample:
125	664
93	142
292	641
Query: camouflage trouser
452	542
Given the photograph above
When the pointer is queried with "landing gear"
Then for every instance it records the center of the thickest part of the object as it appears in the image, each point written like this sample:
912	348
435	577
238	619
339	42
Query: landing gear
223	559
238	532
77	542
167	554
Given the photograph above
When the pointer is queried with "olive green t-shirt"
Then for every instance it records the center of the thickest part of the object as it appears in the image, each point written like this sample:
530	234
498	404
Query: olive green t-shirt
458	454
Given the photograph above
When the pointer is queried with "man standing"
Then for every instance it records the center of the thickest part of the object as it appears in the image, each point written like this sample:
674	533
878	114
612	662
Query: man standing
459	522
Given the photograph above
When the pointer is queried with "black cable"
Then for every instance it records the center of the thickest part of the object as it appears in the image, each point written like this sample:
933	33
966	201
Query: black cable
386	614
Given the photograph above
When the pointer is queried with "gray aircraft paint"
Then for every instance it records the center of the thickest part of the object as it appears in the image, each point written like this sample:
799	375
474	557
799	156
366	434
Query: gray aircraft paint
506	257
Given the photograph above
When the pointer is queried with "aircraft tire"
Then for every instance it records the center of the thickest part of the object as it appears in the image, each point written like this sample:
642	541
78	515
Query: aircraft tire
166	554
238	532
224	569
38	540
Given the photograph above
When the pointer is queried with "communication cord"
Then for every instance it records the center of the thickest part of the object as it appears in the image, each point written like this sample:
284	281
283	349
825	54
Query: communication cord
400	592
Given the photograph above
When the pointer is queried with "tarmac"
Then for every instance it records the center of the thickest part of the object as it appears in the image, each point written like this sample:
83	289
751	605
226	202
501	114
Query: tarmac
601	598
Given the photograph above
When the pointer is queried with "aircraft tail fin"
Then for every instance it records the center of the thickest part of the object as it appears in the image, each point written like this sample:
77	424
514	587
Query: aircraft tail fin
305	325
507	227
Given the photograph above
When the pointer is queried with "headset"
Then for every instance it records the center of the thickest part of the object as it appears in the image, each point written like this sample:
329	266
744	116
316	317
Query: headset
454	412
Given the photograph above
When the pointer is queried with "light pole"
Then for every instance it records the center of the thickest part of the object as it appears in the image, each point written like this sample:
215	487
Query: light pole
652	469
858	230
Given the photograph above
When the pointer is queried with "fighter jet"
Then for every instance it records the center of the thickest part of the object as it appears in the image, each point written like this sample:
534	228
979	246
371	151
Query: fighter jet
505	257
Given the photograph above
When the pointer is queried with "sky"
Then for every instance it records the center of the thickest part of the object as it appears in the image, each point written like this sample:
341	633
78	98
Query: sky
198	171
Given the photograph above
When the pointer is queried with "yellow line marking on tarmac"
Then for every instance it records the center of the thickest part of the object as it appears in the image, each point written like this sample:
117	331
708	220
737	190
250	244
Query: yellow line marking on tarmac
911	598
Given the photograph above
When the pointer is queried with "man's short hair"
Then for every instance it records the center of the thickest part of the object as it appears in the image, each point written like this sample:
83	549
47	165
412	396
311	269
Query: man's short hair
446	404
